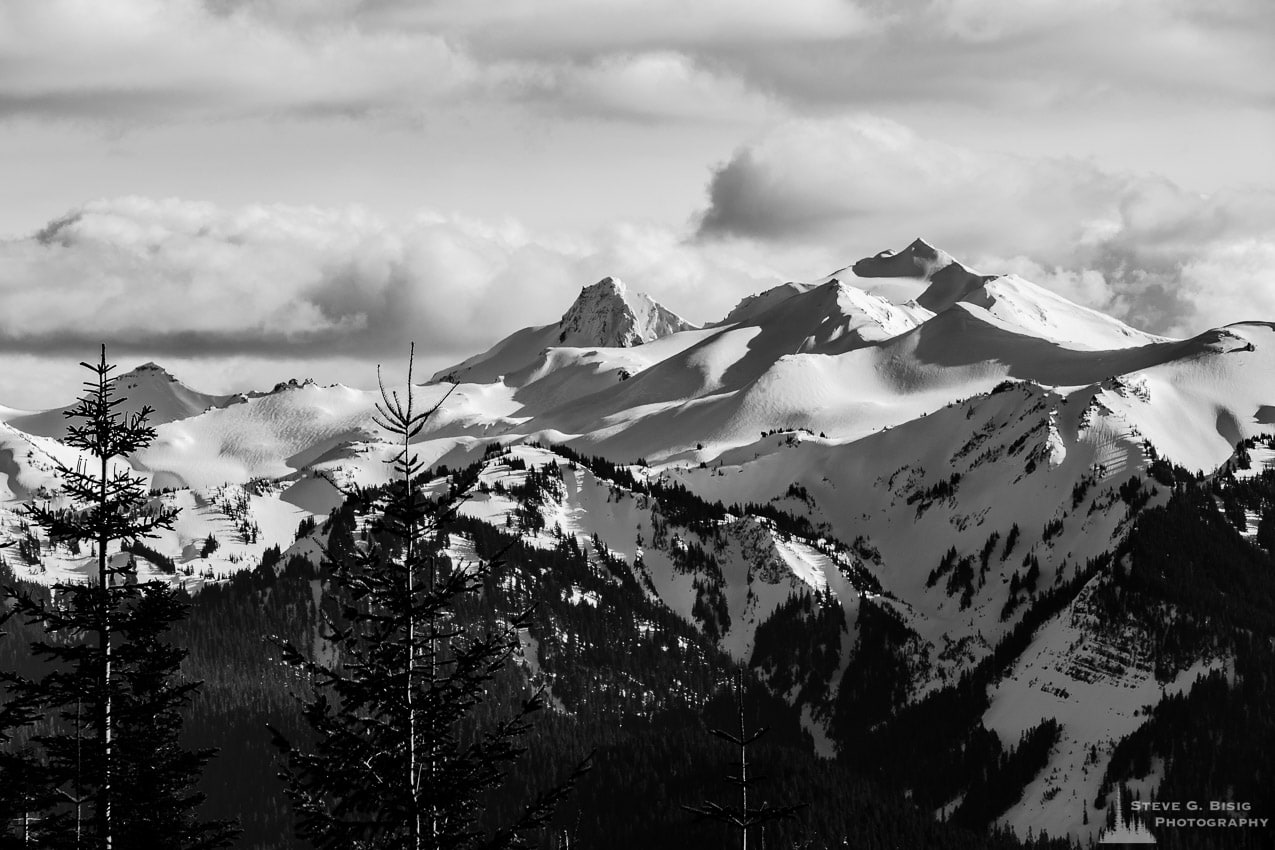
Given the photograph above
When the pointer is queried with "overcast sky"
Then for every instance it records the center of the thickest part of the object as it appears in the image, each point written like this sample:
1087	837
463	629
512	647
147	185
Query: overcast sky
246	190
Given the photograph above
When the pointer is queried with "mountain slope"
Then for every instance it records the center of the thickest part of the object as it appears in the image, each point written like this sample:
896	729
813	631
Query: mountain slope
268	436
148	385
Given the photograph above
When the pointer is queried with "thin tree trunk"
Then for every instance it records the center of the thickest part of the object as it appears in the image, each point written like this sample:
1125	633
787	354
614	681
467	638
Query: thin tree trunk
410	616
79	766
433	737
411	657
743	760
104	645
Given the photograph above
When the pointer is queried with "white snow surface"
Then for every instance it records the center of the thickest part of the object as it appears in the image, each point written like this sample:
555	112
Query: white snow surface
1095	679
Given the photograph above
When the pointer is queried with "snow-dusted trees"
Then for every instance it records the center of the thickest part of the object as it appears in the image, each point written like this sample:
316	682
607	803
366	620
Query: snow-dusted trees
401	759
110	696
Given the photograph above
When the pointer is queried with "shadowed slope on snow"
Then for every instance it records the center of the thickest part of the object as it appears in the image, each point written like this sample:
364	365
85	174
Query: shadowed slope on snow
1017	302
966	335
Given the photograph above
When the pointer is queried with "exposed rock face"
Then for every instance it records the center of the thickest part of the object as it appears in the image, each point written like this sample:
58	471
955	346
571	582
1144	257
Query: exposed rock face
608	315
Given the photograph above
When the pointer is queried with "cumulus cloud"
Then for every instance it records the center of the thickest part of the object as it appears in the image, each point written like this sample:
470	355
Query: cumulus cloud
1152	252
818	179
1033	53
152	60
139	61
190	279
648	86
169	60
582	27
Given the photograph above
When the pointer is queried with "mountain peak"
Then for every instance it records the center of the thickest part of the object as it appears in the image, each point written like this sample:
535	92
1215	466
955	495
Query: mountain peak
608	284
291	384
146	386
604	290
150	368
920	248
607	314
919	259
949	281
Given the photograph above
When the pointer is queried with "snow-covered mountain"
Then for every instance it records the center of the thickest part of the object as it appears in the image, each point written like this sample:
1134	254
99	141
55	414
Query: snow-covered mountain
908	459
1017	303
148	385
604	315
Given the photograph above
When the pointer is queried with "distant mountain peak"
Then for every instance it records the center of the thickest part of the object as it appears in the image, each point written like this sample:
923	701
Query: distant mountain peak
919	259
291	384
151	368
1028	308
949	281
607	285
919	247
146	386
606	314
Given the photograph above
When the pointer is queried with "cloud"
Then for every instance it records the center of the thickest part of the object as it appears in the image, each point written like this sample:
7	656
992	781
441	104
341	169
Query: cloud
170	277
134	61
818	179
149	60
1031	54
1138	245
538	28
648	86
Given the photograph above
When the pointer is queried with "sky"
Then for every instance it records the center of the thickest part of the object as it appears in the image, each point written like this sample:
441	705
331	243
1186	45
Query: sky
251	190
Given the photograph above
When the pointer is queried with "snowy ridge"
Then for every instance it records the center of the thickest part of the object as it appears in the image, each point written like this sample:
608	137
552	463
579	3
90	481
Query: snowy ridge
148	385
1020	304
1042	313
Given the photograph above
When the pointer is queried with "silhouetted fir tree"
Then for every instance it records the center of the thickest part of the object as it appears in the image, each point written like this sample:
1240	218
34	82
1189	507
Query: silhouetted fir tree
161	803
743	815
397	762
21	791
111	695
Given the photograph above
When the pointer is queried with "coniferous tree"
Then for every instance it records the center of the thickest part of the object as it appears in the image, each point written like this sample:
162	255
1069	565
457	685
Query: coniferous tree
744	815
161	805
111	697
399	759
20	790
